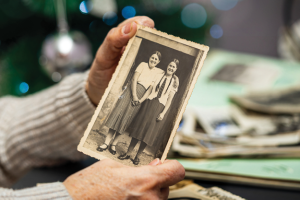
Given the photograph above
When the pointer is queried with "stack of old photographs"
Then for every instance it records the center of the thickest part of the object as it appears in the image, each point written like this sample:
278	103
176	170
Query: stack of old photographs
187	189
229	133
260	124
258	133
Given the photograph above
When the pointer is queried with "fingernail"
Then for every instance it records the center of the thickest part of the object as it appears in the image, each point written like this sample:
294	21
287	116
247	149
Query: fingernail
155	162
144	22
127	28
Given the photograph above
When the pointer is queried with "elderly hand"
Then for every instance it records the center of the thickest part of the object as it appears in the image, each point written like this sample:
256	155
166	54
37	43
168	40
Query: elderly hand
109	54
109	179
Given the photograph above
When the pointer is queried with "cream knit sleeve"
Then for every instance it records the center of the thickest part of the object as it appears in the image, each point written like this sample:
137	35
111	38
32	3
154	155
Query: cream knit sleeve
53	191
42	129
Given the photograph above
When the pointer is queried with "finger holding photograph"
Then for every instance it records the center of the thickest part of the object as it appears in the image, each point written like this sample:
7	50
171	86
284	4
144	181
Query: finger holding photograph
111	180
109	53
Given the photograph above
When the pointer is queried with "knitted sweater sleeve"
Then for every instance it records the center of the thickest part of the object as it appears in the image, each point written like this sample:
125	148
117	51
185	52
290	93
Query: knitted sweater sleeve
42	129
53	191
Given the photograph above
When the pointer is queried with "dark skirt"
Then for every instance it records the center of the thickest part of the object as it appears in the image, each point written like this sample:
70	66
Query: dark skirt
124	112
145	127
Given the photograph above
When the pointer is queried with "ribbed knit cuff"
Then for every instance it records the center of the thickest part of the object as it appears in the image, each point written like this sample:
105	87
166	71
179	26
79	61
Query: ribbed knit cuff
75	112
54	191
77	106
88	100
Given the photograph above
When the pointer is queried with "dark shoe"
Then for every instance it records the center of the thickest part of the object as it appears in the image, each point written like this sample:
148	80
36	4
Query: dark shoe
135	161
102	149
124	156
113	152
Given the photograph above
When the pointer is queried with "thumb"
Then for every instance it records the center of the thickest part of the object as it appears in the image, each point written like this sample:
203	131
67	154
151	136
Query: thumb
155	162
109	54
170	173
111	48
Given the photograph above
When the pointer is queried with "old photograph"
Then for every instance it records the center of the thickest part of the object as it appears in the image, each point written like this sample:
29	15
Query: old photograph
141	109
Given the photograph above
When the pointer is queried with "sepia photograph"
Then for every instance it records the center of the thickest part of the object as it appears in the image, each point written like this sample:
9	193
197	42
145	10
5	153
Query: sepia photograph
141	109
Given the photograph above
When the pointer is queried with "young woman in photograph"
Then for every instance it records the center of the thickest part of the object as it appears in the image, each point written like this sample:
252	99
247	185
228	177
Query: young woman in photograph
130	101
151	117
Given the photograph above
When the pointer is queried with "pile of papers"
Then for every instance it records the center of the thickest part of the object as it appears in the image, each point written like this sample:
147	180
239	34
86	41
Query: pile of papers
186	189
233	131
232	121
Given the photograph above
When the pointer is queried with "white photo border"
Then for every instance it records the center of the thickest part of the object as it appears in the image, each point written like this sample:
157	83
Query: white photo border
202	53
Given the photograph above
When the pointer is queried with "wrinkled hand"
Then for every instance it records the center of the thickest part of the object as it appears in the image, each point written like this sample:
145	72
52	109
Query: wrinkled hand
110	180
160	117
108	55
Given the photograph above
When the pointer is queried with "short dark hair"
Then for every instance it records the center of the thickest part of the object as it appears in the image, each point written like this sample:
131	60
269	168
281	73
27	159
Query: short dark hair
157	53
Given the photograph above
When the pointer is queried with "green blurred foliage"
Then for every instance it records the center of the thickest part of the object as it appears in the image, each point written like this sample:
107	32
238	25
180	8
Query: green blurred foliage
24	24
20	64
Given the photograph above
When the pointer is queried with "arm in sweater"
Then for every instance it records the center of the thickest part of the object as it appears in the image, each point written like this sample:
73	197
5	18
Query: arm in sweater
42	129
45	128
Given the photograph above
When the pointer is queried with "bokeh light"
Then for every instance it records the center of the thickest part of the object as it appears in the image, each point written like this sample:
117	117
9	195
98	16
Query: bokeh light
224	4
85	7
128	12
100	7
110	18
64	44
23	87
216	31
56	76
193	15
167	7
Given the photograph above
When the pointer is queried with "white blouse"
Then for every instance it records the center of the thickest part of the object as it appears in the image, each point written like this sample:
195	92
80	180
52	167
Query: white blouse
173	88
148	76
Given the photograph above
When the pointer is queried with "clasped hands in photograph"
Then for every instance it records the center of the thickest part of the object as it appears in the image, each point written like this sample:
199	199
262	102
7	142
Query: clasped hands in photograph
135	101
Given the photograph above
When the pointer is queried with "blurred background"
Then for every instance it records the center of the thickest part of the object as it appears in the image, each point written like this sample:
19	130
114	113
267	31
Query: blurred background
254	45
40	40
